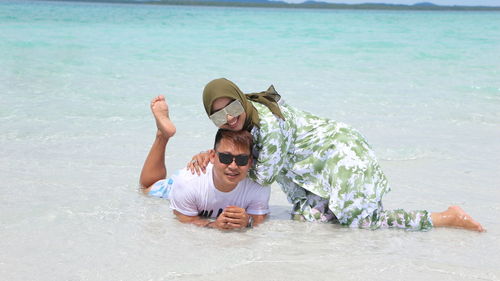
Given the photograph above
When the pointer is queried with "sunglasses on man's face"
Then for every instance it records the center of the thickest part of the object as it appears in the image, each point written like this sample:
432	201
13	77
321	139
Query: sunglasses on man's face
220	117
227	158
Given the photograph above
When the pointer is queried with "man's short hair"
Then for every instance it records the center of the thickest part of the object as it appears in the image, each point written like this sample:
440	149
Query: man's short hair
241	138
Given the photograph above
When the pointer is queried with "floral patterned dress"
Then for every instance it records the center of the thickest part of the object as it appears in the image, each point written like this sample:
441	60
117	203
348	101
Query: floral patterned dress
327	170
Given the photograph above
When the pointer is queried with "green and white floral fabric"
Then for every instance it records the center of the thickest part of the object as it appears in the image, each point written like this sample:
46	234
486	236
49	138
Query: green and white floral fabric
327	170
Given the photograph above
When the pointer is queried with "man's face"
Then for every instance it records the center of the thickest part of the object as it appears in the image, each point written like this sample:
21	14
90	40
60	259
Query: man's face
227	176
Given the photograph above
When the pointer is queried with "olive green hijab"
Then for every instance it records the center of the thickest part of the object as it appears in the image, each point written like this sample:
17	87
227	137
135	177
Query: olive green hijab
223	88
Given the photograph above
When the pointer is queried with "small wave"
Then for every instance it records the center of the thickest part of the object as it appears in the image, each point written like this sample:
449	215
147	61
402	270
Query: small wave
403	154
115	119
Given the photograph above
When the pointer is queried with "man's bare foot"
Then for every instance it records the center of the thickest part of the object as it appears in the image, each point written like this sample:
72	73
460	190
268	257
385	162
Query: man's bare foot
456	217
159	108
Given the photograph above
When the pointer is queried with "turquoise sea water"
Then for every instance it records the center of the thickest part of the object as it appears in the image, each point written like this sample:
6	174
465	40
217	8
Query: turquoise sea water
75	85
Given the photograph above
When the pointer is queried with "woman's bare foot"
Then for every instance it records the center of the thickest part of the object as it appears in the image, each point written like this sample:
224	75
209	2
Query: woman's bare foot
159	108
456	217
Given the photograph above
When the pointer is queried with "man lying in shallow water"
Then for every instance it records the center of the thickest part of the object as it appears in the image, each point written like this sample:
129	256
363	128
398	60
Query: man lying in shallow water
223	198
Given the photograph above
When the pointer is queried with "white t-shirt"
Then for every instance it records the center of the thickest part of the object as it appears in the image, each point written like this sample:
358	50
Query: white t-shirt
194	195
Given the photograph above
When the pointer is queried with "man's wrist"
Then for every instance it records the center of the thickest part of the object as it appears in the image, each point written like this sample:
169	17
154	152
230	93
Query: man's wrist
250	222
210	224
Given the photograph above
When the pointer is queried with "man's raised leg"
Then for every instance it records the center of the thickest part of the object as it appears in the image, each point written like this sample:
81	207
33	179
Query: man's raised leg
154	168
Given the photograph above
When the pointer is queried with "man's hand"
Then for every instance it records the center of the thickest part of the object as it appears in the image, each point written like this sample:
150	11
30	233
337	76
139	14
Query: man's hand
232	218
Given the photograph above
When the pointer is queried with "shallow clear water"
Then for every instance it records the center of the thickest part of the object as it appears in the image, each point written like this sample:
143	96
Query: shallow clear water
75	85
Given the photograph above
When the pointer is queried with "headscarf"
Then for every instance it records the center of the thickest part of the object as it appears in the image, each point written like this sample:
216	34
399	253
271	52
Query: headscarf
223	88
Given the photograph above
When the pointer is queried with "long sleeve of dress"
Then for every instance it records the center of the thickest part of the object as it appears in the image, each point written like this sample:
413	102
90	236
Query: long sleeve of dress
270	145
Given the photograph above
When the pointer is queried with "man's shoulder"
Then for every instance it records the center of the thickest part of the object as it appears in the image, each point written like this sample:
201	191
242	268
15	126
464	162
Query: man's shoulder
185	177
188	187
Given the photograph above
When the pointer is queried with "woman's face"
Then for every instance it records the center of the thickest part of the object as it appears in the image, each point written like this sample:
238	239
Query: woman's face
234	123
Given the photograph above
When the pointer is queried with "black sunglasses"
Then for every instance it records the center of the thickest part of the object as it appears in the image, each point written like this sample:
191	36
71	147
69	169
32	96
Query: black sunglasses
227	158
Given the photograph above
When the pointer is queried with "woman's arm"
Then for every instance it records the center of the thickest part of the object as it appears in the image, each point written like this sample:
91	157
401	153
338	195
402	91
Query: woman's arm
272	144
199	162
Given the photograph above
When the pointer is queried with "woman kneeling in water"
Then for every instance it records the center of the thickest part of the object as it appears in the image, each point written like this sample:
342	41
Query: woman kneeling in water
327	169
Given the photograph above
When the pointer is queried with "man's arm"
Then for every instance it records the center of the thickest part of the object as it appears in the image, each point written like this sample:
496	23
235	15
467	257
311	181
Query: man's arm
219	223
258	219
196	220
232	218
